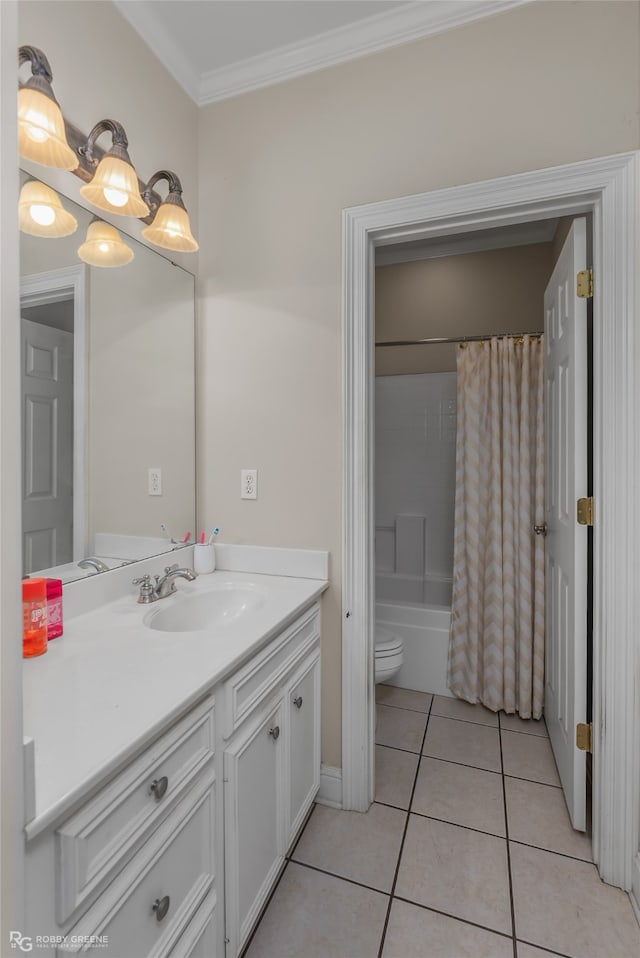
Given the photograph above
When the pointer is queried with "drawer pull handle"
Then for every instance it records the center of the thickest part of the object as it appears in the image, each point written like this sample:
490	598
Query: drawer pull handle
274	732
161	907
298	702
158	787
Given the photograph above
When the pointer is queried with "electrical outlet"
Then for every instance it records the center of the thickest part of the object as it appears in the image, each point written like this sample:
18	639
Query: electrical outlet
155	481
248	483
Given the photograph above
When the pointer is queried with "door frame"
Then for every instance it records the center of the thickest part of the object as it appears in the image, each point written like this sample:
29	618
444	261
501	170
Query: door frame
39	289
607	188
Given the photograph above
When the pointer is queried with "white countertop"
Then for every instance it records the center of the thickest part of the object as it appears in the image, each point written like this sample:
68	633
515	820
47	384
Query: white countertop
110	683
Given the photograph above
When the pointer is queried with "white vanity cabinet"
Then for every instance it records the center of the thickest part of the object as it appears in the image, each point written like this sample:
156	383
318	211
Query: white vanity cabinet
271	767
133	868
171	851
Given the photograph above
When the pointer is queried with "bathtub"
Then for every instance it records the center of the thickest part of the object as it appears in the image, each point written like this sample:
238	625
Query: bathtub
418	609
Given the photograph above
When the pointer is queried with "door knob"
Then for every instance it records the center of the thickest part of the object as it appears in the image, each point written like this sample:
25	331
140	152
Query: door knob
298	702
540	530
274	732
161	907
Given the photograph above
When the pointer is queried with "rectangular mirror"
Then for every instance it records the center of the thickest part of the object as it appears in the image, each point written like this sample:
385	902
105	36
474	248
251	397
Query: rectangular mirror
108	394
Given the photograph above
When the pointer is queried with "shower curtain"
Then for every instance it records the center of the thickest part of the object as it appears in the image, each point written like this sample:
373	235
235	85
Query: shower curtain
496	649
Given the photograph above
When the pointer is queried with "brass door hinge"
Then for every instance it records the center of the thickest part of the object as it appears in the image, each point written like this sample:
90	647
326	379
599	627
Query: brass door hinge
584	736
584	284
585	511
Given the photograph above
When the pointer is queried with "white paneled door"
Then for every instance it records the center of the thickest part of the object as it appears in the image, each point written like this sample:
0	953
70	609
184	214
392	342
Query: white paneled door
47	446
565	330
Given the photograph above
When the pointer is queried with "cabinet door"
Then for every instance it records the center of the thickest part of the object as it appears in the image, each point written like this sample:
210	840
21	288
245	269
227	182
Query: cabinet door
303	698
254	834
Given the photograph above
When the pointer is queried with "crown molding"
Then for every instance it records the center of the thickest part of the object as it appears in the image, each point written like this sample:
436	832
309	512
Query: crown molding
411	21
162	43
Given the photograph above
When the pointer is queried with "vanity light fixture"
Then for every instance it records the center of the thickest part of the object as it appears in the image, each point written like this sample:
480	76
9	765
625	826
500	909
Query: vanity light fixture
41	212
114	186
41	131
104	246
170	227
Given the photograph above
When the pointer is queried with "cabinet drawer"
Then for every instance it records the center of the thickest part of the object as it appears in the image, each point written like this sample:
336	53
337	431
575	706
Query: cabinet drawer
198	940
250	685
148	907
97	841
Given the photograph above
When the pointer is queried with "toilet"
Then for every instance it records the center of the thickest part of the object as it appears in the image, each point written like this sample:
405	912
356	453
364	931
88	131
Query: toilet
389	655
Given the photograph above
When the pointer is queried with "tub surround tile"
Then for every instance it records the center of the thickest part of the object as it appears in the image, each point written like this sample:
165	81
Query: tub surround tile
363	847
395	775
400	728
464	711
319	916
513	723
463	742
461	795
538	816
403	698
562	904
529	757
457	871
410	927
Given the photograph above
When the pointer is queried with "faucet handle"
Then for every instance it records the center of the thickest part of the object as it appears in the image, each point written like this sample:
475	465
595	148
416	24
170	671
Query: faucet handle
171	568
146	588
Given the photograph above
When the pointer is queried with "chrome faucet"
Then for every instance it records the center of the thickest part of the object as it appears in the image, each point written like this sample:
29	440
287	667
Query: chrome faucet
92	563
165	585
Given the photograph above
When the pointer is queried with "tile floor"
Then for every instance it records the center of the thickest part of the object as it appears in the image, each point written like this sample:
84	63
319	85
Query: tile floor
467	852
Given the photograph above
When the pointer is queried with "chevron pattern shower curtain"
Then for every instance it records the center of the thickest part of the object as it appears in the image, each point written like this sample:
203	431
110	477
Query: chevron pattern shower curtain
496	650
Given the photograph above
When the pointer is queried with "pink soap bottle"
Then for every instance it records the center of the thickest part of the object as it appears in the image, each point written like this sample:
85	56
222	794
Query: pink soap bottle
54	608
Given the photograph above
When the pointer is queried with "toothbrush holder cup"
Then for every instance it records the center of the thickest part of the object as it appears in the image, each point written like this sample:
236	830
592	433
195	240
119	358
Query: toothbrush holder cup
204	558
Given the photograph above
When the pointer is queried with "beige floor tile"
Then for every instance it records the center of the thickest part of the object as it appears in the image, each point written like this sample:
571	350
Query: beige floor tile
458	709
561	904
513	723
411	928
319	916
530	757
528	951
400	728
461	795
457	871
395	774
361	846
403	698
463	742
537	815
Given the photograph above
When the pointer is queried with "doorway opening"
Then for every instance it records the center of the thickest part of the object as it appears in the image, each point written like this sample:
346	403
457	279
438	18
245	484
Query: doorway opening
433	301
606	188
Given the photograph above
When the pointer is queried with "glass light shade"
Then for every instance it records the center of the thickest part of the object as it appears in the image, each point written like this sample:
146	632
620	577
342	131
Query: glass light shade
41	212
171	228
41	133
104	246
114	188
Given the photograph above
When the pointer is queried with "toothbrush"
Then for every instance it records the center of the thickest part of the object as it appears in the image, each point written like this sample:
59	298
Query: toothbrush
187	537
216	532
163	526
202	538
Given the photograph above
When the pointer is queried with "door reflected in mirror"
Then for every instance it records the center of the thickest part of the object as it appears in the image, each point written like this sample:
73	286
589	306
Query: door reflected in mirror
108	392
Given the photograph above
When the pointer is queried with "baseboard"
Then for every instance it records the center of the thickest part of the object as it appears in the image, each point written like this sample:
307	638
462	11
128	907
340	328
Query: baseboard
634	894
330	791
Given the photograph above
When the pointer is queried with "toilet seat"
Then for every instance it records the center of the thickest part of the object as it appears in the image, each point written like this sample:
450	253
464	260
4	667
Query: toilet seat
387	643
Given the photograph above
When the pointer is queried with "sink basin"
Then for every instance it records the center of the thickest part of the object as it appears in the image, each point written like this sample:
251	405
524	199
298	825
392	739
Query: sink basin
204	611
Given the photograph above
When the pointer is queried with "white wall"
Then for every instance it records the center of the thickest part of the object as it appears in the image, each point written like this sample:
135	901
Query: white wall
543	84
415	443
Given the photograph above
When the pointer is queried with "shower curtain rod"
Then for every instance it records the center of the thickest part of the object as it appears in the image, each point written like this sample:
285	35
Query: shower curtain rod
454	339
